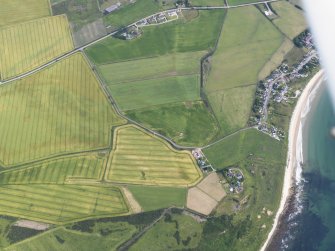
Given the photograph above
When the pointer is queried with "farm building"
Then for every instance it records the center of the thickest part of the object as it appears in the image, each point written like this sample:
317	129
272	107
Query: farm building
111	8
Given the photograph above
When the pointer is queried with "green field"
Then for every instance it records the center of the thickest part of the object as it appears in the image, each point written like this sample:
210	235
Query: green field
197	34
59	204
237	2
13	11
28	45
207	2
132	13
140	158
83	167
291	20
152	197
262	161
146	93
149	68
237	62
175	232
232	107
106	236
79	12
187	123
276	59
55	111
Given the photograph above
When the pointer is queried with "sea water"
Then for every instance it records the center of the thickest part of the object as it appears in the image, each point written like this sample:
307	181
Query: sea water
311	222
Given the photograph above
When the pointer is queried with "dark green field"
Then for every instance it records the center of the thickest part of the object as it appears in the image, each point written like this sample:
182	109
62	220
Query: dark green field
197	34
152	197
186	123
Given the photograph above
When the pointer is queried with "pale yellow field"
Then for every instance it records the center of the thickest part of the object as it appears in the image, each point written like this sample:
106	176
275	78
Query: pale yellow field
28	45
14	11
139	158
55	111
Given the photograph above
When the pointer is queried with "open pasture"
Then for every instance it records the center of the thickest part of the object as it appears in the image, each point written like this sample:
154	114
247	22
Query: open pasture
28	45
187	123
207	2
63	239
197	34
58	110
60	204
139	158
87	167
14	11
146	93
149	68
238	2
291	20
248	40
153	197
132	13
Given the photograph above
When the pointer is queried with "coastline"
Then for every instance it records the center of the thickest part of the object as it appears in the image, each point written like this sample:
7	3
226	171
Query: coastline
294	155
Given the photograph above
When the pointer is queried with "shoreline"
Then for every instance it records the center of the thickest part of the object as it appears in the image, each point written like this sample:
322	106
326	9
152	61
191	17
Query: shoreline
295	146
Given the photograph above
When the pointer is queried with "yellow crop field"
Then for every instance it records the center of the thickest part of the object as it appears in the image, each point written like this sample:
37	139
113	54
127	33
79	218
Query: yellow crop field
55	111
13	11
140	158
28	45
60	204
70	169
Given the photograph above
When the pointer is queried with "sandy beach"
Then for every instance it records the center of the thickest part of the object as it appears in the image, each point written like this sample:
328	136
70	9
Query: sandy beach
294	155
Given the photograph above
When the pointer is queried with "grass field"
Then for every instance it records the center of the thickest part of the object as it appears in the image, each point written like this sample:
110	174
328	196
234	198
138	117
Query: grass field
187	123
291	20
152	198
146	93
236	62
14	11
60	109
105	237
237	2
175	232
197	34
139	158
149	68
132	13
79	12
262	161
276	59
207	2
232	107
59	204
84	167
28	45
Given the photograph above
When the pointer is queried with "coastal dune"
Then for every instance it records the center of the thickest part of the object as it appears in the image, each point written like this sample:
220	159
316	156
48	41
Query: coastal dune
294	155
